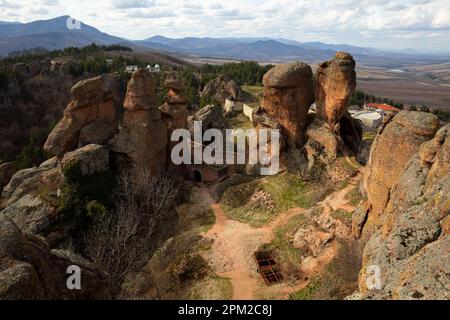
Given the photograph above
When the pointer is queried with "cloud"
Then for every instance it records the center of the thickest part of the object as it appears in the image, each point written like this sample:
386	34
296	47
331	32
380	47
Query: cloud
131	4
379	23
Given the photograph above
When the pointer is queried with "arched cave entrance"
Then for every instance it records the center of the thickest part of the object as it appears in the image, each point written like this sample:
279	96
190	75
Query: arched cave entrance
197	176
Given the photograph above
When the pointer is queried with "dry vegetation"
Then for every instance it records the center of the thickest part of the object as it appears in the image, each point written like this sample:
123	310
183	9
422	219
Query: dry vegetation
121	238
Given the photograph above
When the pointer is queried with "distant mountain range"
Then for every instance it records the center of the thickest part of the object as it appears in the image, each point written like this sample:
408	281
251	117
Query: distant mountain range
49	34
55	34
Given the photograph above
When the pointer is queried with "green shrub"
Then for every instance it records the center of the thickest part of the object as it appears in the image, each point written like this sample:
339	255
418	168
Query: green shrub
188	267
96	210
86	197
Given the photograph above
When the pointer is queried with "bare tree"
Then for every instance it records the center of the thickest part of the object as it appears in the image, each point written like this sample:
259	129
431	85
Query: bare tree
118	241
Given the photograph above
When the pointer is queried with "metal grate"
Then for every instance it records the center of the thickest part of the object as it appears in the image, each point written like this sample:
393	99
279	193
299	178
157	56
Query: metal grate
267	268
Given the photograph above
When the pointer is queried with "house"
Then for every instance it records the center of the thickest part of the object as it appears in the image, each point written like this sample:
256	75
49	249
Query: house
381	108
370	120
131	69
109	62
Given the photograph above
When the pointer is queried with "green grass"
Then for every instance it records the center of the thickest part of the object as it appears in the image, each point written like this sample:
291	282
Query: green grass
286	191
212	288
369	136
255	91
343	216
288	257
308	292
289	191
354	196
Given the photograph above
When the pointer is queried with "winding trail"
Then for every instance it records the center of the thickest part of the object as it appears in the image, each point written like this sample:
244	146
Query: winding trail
232	252
234	245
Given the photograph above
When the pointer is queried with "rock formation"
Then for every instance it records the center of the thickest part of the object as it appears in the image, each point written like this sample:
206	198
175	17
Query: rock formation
335	84
211	117
288	94
406	217
30	270
404	133
174	110
142	140
91	102
333	130
22	199
222	88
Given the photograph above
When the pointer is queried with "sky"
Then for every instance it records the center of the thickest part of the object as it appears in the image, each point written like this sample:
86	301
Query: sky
423	25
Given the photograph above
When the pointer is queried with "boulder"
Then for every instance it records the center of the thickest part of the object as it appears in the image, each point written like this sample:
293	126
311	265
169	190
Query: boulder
142	141
231	108
335	85
29	270
288	95
222	88
211	117
386	166
91	102
23	199
97	132
91	158
174	110
409	241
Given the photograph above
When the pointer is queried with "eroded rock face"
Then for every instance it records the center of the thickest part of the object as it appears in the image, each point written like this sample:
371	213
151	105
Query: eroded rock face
91	158
288	94
409	244
335	84
211	117
22	199
221	89
91	102
142	140
29	270
174	110
97	132
392	149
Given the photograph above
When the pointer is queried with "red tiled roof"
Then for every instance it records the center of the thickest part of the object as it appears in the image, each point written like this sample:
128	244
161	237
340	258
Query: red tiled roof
385	107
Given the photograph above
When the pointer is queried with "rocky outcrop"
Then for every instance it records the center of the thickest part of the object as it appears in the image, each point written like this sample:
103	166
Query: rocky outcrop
142	140
23	198
405	133
174	110
231	108
30	270
288	94
211	117
335	84
222	88
91	102
97	132
408	208
91	158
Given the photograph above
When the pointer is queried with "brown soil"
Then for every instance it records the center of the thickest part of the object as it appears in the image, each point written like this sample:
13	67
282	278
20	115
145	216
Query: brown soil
232	254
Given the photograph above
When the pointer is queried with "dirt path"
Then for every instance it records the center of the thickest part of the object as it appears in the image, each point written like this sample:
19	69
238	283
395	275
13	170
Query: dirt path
235	243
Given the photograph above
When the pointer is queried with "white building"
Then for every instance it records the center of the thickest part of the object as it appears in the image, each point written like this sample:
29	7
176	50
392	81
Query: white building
131	69
156	68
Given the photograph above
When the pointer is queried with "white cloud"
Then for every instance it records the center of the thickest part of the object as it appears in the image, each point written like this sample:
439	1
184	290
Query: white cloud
378	23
